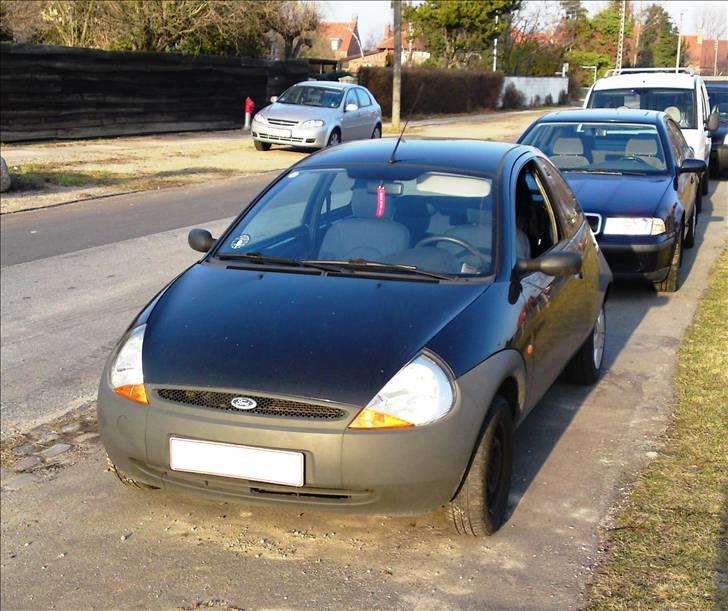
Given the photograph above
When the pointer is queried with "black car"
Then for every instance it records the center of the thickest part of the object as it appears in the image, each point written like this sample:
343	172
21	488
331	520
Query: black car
365	336
632	173
718	99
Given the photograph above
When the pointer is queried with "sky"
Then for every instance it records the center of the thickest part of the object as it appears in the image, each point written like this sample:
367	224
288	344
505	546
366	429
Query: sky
375	14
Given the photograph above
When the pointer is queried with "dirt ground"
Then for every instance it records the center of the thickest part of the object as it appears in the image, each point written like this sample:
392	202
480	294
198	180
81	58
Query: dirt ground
53	173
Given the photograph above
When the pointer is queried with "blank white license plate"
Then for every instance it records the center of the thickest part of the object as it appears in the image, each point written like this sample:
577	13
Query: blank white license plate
281	133
244	462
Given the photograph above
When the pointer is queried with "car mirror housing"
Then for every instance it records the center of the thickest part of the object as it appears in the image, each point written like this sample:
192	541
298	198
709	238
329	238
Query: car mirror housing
554	264
200	240
713	121
692	165
351	108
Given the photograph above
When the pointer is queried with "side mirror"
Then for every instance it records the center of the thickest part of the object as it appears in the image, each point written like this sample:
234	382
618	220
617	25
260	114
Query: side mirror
713	121
556	264
351	108
200	240
273	99
697	166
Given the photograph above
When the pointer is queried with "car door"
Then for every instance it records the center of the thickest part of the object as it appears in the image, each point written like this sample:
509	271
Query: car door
687	184
351	122
551	314
369	116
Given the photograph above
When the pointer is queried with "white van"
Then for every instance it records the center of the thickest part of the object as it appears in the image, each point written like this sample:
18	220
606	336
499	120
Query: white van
679	93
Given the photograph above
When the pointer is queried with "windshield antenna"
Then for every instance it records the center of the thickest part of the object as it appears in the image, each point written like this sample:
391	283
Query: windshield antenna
406	123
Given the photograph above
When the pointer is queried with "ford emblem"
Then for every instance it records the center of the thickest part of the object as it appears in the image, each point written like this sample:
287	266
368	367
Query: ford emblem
245	403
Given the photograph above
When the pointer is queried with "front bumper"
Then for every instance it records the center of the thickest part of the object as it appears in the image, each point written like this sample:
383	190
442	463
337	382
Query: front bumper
405	471
312	137
646	257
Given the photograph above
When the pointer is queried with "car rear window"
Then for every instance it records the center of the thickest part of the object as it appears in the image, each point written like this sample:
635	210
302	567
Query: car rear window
678	103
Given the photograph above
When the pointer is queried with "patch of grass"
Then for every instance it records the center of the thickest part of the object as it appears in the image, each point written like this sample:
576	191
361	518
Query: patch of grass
669	545
35	177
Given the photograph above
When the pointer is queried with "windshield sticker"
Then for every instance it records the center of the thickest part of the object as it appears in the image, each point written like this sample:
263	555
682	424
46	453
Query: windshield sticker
240	241
381	201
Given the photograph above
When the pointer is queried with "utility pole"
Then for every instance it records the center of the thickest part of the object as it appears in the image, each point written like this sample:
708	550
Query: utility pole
620	44
679	43
397	63
495	46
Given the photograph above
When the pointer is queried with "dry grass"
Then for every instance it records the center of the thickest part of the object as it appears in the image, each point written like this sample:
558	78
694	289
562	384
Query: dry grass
669	546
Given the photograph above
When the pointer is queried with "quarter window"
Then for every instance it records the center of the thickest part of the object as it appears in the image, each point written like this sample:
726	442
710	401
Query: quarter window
364	99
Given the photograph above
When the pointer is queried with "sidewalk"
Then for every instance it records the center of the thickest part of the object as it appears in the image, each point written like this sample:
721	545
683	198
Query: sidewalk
53	173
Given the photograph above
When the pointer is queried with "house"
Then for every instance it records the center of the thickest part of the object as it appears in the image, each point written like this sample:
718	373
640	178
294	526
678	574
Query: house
708	57
414	51
339	41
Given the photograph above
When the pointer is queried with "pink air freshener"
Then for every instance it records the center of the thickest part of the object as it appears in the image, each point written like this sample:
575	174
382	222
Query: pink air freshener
381	201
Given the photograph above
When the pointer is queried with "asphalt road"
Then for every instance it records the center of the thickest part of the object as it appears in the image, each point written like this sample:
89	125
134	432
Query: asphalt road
75	538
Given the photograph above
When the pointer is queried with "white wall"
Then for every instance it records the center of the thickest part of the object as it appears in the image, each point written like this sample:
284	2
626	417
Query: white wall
541	86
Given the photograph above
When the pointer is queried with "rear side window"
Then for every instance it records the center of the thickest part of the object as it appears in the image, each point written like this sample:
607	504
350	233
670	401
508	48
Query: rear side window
364	99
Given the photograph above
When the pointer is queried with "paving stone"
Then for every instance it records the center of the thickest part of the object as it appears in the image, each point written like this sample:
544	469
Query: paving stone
24	449
47	438
27	463
18	481
86	437
55	450
71	428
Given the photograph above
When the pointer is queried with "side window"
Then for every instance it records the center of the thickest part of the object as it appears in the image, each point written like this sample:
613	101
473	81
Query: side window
364	99
536	230
564	201
677	141
351	98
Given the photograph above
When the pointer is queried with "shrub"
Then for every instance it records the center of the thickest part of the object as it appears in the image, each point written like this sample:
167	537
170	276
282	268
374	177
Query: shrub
445	91
512	98
536	100
549	100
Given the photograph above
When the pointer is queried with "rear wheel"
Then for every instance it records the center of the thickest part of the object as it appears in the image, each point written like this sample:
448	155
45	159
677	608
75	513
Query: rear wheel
334	138
377	133
672	282
586	364
261	146
480	506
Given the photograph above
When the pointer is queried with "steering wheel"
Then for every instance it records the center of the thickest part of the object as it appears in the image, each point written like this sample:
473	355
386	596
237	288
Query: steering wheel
458	242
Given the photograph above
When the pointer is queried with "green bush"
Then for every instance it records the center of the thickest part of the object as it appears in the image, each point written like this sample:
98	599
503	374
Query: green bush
512	98
445	91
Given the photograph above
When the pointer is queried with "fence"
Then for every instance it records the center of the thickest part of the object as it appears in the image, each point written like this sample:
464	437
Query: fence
49	92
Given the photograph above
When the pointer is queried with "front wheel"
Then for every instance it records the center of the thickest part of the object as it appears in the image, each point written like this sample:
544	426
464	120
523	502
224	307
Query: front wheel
705	184
334	138
586	364
479	508
693	227
671	283
261	146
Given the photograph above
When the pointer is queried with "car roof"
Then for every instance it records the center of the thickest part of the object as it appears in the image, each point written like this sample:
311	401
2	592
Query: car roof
613	115
669	80
476	156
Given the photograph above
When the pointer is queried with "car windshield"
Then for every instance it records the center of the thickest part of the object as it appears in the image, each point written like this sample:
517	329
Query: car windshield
600	147
307	95
719	101
387	219
678	103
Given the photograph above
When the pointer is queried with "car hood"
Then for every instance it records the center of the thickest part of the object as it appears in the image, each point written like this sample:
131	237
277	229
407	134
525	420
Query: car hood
615	195
327	337
293	112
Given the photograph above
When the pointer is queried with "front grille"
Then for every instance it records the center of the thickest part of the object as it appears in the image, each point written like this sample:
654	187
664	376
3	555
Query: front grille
282	122
595	221
266	406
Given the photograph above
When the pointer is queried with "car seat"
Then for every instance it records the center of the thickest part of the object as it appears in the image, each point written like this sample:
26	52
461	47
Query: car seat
568	153
646	150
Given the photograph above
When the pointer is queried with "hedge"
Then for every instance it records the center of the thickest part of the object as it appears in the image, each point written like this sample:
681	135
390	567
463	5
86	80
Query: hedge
446	91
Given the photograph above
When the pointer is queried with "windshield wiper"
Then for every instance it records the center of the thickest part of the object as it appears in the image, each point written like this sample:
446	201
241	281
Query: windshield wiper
256	257
364	264
610	172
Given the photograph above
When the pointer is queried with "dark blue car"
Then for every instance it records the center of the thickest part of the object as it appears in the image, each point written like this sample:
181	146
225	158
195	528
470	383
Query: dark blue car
718	100
632	173
365	336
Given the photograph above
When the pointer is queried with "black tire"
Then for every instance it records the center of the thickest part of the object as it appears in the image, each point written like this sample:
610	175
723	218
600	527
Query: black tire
334	138
705	184
479	508
262	146
692	228
126	480
671	283
699	201
377	133
585	366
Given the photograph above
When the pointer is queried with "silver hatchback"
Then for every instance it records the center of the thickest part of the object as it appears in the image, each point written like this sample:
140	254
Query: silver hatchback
316	114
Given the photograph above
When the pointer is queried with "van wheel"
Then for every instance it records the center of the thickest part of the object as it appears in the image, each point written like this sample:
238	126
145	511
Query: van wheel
261	146
671	283
125	479
586	364
479	508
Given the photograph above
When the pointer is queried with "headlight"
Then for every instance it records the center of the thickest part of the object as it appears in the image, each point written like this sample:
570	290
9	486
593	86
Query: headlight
260	118
419	393
127	375
313	123
617	225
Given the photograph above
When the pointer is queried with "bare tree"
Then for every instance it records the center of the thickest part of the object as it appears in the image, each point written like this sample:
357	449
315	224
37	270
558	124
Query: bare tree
293	24
21	19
